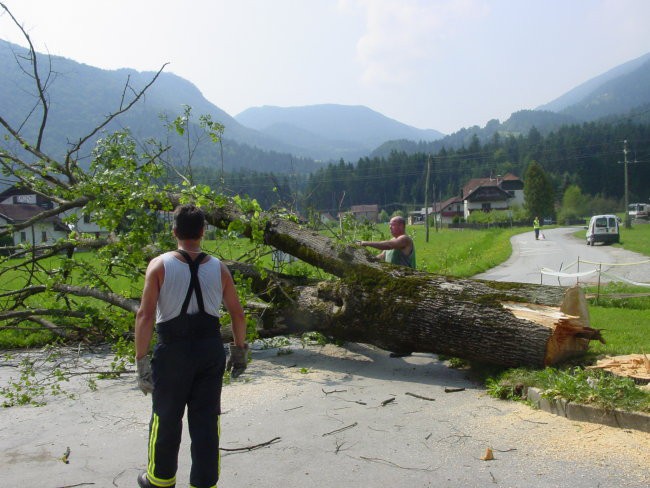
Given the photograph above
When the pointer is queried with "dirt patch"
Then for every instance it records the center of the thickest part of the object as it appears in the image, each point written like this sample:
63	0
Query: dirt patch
558	438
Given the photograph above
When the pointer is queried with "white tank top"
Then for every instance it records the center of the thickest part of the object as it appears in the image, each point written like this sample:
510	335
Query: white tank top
177	281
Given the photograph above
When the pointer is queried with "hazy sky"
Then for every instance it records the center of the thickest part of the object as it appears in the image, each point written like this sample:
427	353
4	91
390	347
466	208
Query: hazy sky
432	64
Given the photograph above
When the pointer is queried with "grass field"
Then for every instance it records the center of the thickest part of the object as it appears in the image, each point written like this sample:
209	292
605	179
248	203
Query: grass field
459	253
637	238
456	252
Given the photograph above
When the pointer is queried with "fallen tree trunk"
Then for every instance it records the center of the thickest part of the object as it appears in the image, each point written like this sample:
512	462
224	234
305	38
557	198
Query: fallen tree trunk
416	312
404	310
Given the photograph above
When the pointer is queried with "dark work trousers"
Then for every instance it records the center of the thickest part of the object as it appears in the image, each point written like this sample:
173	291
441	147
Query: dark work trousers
187	365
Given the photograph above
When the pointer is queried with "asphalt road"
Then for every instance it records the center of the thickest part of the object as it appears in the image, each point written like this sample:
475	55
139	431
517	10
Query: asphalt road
560	251
327	416
349	417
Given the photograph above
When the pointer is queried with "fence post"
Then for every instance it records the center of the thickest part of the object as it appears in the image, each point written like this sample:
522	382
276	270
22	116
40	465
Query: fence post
578	277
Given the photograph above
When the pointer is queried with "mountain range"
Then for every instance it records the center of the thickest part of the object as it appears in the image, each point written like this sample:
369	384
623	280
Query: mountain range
280	139
331	131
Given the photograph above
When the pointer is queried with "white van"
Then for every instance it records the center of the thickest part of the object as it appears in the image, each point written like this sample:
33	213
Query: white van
638	210
603	228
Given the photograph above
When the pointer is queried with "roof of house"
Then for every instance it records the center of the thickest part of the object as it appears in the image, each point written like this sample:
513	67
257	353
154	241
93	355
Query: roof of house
438	206
364	208
15	192
20	213
12	190
475	183
487	194
448	202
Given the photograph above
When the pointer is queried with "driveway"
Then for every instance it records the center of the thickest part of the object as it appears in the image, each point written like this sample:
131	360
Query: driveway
561	251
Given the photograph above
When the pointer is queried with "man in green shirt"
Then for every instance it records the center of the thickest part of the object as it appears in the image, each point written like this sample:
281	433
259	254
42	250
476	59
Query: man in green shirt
398	250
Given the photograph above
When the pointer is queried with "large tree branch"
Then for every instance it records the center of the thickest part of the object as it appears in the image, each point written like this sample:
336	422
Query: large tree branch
53	312
42	252
37	170
37	79
120	301
110	117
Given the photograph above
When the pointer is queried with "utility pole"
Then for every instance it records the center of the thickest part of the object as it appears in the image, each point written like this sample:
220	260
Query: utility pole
628	223
435	202
426	200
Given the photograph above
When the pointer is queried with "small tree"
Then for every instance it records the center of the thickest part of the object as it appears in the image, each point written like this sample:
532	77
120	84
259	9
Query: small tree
574	204
538	192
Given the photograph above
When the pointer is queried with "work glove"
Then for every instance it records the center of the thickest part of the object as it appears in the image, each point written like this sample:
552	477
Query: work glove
145	379
237	360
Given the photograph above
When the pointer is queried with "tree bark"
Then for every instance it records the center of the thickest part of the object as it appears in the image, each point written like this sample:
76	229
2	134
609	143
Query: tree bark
404	310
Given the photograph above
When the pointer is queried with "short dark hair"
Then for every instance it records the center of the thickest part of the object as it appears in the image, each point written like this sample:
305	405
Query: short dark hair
188	221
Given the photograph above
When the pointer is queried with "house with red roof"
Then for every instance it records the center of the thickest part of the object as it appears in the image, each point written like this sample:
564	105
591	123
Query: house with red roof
487	194
46	230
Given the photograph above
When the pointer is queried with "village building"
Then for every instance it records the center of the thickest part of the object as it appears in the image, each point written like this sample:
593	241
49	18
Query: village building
363	213
488	194
478	194
20	204
45	231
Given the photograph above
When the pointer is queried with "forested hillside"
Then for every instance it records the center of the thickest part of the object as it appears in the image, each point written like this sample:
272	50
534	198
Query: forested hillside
82	96
586	155
618	95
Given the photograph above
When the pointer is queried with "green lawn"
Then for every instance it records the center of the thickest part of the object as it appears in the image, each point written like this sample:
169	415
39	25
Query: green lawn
457	252
626	331
636	239
460	253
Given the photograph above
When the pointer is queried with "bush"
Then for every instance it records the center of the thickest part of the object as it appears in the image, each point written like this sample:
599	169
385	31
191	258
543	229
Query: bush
493	217
5	241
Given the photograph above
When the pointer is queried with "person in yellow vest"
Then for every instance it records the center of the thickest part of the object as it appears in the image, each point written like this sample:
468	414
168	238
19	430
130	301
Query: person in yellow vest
536	228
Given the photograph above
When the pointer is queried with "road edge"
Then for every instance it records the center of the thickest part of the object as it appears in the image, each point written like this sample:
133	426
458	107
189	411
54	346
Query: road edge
587	413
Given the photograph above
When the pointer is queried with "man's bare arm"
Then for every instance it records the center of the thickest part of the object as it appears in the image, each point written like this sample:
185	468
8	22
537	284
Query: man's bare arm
146	315
232	304
401	242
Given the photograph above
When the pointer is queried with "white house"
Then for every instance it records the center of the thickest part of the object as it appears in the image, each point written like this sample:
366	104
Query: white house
365	212
23	197
444	212
449	209
42	232
487	194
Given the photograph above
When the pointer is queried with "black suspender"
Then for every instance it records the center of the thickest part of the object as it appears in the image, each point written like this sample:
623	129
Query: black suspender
195	285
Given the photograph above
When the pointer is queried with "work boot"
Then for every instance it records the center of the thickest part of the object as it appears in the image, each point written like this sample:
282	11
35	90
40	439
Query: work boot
143	481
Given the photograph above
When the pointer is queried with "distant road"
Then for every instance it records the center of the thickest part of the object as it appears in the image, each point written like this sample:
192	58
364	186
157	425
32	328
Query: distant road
559	250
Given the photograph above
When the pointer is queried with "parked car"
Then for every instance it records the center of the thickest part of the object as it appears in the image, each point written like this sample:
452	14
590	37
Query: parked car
603	228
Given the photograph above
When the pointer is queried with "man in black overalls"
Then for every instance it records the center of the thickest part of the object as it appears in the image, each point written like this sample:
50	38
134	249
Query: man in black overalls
183	293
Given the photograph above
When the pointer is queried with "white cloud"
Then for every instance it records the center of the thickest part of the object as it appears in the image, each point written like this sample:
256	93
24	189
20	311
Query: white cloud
401	36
